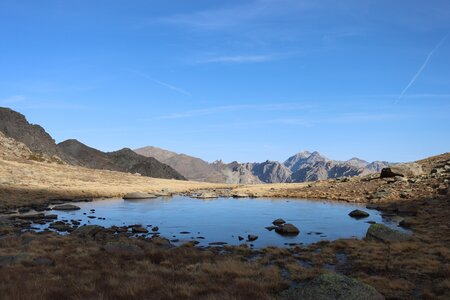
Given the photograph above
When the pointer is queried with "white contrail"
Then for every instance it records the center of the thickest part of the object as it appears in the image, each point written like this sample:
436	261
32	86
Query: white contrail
423	66
167	85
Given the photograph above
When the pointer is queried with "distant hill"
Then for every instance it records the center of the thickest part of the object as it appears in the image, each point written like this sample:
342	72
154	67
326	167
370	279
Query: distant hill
301	167
124	160
192	168
14	125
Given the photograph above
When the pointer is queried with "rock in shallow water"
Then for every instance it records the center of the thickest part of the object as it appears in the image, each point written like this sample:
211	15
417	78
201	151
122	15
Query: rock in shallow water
287	229
358	214
138	195
66	207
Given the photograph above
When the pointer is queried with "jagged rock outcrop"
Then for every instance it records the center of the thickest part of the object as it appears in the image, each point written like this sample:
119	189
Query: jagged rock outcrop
16	126
124	160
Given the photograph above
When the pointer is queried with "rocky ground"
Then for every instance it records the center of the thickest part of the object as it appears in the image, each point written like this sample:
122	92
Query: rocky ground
103	263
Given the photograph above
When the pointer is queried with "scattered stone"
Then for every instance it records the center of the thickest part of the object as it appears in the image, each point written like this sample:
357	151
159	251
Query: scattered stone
278	222
252	237
240	238
287	229
87	230
206	196
358	214
156	228
385	234
92	217
66	207
217	243
239	195
60	226
139	230
332	286
138	195
184	232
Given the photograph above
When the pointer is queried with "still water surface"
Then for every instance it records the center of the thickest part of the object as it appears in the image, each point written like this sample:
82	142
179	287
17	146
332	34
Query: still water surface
224	219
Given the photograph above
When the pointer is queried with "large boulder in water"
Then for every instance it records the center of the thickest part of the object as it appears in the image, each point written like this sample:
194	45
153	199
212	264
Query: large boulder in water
358	214
138	195
287	229
385	234
330	287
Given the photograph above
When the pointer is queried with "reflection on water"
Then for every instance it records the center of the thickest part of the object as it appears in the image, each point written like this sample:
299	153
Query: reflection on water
224	219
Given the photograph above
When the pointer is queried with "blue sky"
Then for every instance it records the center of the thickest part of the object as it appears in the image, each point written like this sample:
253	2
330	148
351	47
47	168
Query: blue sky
233	80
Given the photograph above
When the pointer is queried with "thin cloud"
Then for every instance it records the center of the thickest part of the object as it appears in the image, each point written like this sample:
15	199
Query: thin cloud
231	108
238	59
230	17
425	63
164	84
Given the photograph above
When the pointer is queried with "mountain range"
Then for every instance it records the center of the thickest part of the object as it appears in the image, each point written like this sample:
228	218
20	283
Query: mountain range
156	162
301	167
16	126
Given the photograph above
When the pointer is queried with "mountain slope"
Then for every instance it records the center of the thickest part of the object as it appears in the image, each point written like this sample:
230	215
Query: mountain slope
16	126
124	160
190	167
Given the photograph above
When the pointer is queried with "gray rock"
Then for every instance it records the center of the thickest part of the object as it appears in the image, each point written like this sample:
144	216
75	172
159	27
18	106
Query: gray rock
138	195
385	234
66	207
358	214
331	287
287	229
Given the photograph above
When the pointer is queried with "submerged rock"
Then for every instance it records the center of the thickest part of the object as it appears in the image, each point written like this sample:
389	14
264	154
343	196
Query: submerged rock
278	222
252	237
332	286
66	207
138	195
287	229
385	234
358	214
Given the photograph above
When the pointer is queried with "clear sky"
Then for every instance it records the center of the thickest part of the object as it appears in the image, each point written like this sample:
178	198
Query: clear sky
233	80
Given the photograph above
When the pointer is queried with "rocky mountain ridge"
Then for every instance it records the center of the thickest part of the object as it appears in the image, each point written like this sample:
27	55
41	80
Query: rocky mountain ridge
301	167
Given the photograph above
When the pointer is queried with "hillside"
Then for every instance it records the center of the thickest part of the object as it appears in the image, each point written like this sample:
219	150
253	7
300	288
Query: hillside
124	160
192	168
44	148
